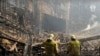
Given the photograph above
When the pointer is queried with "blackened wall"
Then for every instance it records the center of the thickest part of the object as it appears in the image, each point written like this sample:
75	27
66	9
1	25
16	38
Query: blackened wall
53	24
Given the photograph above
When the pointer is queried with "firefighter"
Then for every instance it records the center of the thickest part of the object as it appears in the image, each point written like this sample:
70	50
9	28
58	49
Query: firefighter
74	47
51	36
51	48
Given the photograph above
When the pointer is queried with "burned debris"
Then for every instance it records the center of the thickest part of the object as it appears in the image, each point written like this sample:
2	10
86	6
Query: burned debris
25	24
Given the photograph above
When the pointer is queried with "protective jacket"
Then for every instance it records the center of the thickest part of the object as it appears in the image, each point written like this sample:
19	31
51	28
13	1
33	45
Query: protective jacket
74	48
50	48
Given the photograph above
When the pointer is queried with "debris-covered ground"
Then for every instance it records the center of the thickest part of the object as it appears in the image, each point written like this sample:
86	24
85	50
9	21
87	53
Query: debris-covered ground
27	19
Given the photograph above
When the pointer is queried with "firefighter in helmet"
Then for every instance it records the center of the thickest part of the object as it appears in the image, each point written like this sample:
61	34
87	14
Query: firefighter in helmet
57	41
50	45
74	47
51	36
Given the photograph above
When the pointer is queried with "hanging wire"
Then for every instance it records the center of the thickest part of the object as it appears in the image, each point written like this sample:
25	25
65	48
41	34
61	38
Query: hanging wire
17	17
1	12
6	15
4	11
23	7
0	7
25	17
68	17
40	18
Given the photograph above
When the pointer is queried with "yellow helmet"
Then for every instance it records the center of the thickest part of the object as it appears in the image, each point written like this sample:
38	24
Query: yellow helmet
73	37
51	36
